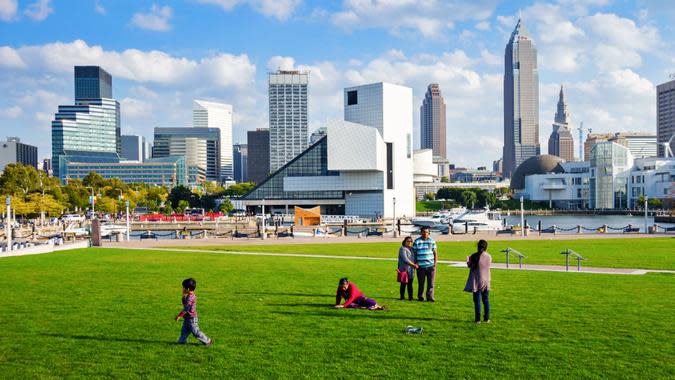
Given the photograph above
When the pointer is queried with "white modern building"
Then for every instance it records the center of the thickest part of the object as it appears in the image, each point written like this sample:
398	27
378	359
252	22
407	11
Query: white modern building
652	177
610	169
566	189
363	166
287	115
424	169
207	114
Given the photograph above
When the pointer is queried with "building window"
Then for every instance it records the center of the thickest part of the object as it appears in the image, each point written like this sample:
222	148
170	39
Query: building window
409	145
390	166
352	98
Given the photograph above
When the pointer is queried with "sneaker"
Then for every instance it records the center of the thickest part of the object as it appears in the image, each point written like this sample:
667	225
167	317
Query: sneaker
209	343
477	322
488	321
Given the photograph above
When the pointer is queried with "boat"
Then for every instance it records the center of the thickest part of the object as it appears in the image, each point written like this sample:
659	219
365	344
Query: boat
108	229
481	220
443	217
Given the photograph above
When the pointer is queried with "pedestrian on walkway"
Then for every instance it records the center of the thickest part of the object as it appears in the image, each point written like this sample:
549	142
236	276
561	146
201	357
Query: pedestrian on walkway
478	282
424	251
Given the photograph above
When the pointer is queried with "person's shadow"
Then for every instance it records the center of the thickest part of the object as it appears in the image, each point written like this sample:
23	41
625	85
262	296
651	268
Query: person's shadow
110	339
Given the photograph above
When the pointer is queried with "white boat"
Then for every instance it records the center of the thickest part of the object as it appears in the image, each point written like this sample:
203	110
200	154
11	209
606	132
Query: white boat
442	217
481	220
107	229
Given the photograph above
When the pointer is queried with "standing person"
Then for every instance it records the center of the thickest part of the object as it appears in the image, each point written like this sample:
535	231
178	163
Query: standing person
478	282
424	251
354	298
406	265
189	314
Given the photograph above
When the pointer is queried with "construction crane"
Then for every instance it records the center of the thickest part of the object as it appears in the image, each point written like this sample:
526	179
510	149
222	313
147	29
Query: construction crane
581	130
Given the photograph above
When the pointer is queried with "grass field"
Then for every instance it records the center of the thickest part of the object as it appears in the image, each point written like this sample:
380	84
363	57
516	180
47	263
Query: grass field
657	253
109	313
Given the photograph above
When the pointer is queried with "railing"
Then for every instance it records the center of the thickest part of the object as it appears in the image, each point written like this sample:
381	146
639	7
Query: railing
510	251
575	255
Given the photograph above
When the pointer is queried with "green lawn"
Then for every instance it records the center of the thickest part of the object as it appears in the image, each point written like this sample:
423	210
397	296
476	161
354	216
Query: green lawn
656	253
109	313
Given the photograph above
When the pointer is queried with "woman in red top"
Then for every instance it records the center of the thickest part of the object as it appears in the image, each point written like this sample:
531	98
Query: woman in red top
354	298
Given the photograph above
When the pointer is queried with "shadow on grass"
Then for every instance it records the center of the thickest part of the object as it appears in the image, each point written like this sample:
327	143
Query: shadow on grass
375	314
111	339
283	294
316	305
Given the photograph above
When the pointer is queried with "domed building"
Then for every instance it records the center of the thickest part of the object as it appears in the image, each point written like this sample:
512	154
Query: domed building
542	164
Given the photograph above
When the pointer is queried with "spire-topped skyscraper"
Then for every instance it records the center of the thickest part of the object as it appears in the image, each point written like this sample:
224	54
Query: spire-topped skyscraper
521	100
561	142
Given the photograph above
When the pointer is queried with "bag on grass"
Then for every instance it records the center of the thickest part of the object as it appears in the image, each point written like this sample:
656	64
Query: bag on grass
401	277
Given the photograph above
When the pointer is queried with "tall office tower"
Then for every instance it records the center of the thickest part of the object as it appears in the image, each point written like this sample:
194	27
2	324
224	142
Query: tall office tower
89	130
387	108
665	116
240	156
287	115
258	163
14	151
133	148
47	166
199	146
217	115
521	100
561	142
147	150
432	121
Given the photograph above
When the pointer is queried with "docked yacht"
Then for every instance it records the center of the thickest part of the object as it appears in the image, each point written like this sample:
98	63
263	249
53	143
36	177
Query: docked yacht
443	217
481	220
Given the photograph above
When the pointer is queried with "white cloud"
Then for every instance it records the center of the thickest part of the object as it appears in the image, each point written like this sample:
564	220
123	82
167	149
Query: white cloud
154	66
8	9
157	19
430	18
135	108
99	8
280	63
483	26
11	112
39	10
282	10
490	58
10	58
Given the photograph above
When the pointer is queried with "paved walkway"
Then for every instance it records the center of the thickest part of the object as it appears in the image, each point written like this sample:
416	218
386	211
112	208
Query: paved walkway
458	264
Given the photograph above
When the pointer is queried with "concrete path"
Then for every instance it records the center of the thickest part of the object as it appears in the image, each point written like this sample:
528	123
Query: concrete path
457	264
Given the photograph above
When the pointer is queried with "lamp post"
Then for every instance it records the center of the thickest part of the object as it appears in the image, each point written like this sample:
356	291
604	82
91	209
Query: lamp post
8	223
646	199
264	231
393	219
522	217
119	198
127	204
91	199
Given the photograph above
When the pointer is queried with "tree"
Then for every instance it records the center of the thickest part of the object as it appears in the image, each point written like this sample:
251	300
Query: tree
226	206
17	177
239	189
445	179
180	193
45	203
430	196
94	180
182	205
468	198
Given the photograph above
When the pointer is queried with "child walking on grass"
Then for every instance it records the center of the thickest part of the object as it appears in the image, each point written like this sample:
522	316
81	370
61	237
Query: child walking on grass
354	298
189	314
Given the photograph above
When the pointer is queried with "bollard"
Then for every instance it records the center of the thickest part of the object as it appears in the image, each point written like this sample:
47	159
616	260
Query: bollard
539	227
579	229
554	229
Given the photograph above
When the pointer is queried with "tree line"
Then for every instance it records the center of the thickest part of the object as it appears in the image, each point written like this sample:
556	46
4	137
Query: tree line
34	192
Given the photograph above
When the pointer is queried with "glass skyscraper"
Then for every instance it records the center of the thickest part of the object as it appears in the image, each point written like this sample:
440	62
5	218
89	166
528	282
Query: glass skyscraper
89	130
200	146
217	115
287	116
521	100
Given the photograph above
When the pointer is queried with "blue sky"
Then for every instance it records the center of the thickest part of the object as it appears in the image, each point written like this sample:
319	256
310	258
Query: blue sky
609	54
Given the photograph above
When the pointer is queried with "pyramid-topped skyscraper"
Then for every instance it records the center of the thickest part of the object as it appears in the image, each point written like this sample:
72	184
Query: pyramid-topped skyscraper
561	142
521	100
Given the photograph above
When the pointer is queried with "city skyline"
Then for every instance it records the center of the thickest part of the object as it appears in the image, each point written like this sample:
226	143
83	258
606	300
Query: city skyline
610	57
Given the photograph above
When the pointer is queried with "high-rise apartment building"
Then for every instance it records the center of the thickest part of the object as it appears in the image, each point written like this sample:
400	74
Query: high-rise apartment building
521	100
207	114
240	157
287	115
432	121
89	130
200	147
258	163
14	151
665	116
561	142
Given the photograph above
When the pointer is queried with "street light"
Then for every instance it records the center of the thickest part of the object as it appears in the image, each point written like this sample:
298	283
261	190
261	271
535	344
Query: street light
8	223
522	217
646	199
91	199
127	204
119	199
393	219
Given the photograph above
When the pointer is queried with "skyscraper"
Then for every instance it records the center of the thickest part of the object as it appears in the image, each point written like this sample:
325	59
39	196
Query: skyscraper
665	116
89	130
258	163
561	142
287	115
200	146
217	115
240	156
432	121
521	100
14	151
133	148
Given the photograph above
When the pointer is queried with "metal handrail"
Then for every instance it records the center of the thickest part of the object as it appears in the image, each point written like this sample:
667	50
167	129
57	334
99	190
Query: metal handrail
510	251
577	256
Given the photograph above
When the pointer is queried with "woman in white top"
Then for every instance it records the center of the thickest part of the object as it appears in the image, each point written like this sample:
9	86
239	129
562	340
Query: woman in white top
478	282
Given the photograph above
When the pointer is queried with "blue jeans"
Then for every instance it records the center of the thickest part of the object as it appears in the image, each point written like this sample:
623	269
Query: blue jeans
486	304
191	326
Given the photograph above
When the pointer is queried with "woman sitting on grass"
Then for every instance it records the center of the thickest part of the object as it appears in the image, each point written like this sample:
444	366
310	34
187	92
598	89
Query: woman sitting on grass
354	298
